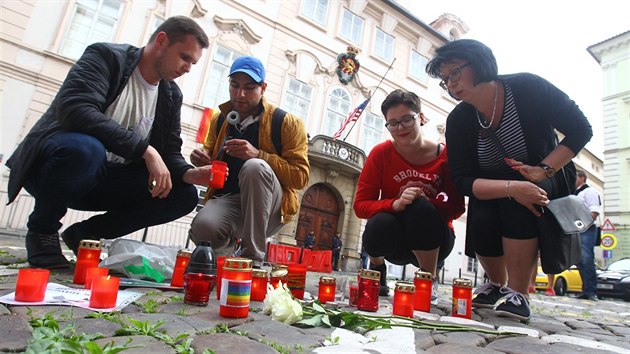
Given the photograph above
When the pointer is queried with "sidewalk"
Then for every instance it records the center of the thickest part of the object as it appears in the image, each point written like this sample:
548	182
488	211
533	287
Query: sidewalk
558	324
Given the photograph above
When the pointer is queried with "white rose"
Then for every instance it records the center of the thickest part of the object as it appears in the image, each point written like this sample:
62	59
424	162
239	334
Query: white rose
279	303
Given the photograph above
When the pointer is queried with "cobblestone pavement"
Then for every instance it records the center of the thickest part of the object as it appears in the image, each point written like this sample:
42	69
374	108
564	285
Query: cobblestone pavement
561	324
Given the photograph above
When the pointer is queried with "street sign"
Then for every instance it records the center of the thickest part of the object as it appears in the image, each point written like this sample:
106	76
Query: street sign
608	225
609	242
607	254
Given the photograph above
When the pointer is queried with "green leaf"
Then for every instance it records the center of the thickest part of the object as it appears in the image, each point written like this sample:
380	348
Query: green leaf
326	321
314	321
317	307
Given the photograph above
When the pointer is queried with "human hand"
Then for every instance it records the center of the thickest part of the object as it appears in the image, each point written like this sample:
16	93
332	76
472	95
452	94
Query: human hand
159	182
200	175
531	173
407	197
200	157
241	149
529	195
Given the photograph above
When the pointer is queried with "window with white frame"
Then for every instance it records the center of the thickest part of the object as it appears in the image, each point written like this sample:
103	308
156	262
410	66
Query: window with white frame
384	45
352	26
316	10
91	21
217	85
338	109
418	63
371	132
298	98
472	265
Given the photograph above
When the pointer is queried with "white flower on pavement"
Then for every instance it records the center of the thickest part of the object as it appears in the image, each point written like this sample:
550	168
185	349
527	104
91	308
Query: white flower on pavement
279	303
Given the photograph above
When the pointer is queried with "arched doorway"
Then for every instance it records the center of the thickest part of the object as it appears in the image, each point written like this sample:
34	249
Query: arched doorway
320	212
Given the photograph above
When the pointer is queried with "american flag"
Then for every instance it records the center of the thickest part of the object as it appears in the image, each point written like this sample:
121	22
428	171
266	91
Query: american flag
352	117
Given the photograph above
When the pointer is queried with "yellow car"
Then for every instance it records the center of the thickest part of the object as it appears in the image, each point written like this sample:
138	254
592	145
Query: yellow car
567	281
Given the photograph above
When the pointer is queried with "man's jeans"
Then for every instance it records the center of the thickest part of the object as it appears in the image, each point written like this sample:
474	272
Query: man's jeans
73	173
587	265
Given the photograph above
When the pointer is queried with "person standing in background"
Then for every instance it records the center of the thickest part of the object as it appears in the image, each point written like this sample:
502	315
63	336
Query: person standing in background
336	251
309	241
591	199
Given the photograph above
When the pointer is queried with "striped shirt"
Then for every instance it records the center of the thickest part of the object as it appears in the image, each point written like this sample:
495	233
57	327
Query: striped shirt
510	134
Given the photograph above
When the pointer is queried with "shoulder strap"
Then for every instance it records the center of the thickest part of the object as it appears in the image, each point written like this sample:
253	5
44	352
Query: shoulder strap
277	120
276	128
220	120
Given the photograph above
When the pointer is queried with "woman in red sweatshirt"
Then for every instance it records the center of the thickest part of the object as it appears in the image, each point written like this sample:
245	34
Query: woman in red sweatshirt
406	192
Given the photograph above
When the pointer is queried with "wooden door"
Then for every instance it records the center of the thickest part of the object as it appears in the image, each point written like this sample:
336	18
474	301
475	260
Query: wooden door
319	212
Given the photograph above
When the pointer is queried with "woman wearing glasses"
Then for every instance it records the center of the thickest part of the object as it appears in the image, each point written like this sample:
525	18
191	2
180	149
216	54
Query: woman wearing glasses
406	193
502	152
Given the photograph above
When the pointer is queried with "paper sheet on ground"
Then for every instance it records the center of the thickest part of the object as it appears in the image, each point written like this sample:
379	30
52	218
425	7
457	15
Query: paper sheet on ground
57	294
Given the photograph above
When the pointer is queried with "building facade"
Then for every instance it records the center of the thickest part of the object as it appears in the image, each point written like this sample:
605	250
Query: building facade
302	44
613	55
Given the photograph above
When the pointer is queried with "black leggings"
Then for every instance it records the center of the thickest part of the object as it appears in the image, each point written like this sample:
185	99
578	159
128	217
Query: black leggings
395	235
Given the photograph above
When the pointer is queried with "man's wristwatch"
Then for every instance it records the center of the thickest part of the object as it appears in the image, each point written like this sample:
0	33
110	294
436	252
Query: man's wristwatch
549	171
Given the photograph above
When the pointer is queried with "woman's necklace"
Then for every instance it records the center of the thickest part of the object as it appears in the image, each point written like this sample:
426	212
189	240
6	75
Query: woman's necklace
494	110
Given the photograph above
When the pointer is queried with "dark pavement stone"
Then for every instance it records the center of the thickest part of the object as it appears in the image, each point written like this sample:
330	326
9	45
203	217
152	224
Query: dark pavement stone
463	338
547	325
173	325
145	344
423	339
15	333
570	348
4	310
460	348
619	330
93	325
225	343
59	312
527	345
578	324
182	309
282	334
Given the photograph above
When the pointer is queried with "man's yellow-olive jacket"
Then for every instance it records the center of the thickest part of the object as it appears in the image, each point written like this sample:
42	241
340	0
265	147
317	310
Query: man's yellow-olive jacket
291	166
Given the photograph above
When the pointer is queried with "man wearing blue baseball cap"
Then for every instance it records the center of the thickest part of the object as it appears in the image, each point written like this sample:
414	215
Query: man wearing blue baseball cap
266	150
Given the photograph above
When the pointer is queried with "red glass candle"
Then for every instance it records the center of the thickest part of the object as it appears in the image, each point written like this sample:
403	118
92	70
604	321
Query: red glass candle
327	288
259	285
220	262
31	284
197	288
104	292
422	299
90	273
353	293
404	294
297	280
462	298
279	274
367	299
183	256
235	288
88	257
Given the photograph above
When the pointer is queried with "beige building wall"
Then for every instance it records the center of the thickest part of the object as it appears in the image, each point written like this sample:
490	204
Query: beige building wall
613	55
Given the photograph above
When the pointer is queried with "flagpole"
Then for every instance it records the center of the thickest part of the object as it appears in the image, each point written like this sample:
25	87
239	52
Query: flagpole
369	98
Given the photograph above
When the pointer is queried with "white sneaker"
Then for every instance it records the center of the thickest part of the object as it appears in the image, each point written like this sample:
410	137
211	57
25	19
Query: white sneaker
434	291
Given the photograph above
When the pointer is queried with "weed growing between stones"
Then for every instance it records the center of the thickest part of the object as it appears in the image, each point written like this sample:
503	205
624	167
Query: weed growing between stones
49	338
284	349
149	306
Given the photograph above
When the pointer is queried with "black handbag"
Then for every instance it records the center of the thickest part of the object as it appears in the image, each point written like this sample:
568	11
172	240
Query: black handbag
561	221
559	228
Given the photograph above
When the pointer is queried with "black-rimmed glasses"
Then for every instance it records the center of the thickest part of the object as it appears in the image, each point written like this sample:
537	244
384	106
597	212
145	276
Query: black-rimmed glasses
406	122
453	76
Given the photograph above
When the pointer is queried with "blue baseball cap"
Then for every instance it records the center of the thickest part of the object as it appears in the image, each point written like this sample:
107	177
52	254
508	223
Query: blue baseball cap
250	66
